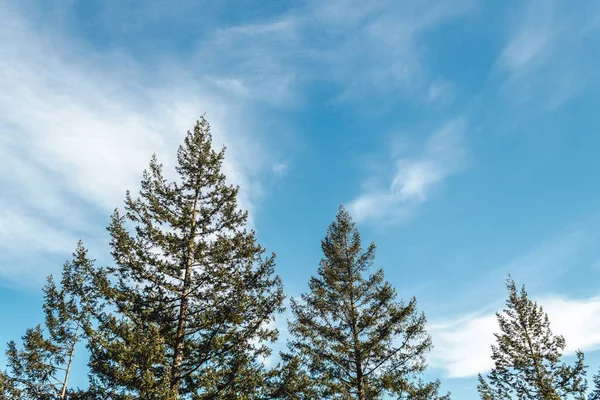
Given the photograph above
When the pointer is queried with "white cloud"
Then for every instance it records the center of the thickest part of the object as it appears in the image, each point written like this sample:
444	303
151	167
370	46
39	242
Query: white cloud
463	342
77	125
255	61
531	41
76	132
463	345
414	177
525	47
373	47
379	46
546	57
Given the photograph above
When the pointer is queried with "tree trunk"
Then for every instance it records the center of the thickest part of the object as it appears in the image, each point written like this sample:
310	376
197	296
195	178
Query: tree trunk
361	384
360	390
63	393
183	306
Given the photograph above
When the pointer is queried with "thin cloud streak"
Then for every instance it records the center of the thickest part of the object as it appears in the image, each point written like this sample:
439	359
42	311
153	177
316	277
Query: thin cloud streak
552	258
414	178
363	48
548	55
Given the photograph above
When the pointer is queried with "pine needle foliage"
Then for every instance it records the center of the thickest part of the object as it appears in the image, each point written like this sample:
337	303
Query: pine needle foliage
595	394
187	304
527	356
41	368
353	337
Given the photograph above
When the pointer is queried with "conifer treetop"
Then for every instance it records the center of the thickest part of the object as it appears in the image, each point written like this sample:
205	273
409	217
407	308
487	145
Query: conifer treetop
41	368
353	337
527	356
191	293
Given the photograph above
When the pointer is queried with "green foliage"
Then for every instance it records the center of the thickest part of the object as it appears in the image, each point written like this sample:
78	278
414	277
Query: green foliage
184	312
595	395
8	387
351	335
290	381
40	370
527	356
186	309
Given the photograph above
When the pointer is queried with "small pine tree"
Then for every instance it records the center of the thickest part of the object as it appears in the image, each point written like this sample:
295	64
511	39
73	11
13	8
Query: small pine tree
527	356
187	305
41	369
352	335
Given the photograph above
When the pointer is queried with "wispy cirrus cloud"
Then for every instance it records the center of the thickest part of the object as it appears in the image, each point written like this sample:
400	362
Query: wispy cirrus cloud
414	177
78	124
76	132
549	56
362	48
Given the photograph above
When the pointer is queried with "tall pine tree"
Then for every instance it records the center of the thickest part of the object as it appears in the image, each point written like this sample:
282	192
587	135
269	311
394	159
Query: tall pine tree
353	338
187	304
41	369
527	356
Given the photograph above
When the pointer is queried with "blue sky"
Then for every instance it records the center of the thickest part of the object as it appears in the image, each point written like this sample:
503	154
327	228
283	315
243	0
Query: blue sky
462	135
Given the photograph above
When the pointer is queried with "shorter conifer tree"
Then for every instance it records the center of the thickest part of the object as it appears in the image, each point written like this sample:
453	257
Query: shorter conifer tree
41	368
351	336
527	356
